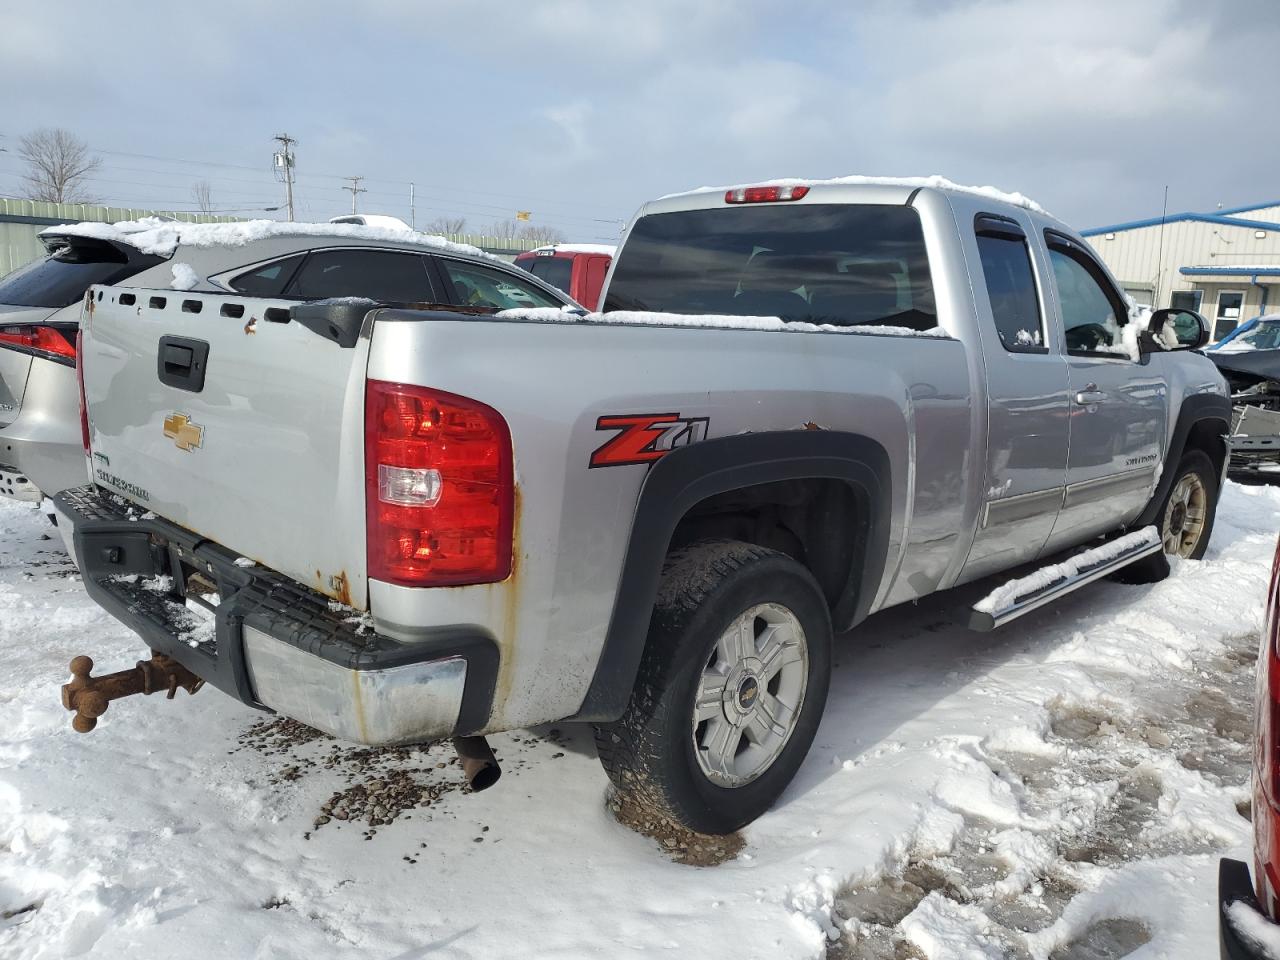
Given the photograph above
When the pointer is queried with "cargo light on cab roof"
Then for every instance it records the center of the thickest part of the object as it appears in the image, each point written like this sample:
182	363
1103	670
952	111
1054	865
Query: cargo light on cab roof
764	194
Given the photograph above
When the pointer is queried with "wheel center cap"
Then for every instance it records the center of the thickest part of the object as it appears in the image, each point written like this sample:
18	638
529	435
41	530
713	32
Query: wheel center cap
748	691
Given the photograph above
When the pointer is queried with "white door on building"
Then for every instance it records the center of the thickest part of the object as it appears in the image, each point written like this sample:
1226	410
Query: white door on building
1230	306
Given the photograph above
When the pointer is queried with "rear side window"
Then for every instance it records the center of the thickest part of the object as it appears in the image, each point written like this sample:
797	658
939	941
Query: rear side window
1011	287
1092	314
847	265
376	274
476	286
269	280
61	278
557	271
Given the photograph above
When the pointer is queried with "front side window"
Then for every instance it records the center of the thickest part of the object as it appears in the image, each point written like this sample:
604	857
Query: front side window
476	286
269	280
841	264
1091	317
1011	287
381	275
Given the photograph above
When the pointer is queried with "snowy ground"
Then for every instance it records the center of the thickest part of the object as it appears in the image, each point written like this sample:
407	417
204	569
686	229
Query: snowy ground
1062	788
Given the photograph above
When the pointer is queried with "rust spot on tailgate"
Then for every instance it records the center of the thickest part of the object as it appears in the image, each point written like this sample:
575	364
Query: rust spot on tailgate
340	588
251	327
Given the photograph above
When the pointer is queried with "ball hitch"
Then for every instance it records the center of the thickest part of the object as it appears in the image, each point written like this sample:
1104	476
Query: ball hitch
88	697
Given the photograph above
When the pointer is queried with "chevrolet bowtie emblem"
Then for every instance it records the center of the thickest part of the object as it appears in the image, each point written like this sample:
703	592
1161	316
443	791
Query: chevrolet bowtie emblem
179	428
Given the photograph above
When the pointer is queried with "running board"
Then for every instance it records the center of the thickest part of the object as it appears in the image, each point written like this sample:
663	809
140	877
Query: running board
1010	601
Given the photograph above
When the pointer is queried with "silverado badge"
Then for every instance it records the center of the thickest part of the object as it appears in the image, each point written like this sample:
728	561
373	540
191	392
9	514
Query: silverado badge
185	434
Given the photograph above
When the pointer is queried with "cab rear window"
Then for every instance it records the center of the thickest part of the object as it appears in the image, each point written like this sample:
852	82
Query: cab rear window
557	271
845	265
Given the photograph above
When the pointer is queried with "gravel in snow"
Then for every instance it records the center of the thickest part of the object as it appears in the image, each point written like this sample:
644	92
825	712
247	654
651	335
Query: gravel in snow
1060	788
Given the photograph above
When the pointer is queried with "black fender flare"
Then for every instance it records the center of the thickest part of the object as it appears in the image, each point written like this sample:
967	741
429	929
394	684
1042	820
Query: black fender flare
1195	409
691	474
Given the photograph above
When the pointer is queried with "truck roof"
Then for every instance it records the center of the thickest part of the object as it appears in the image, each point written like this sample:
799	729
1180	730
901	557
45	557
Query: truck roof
161	237
607	249
890	189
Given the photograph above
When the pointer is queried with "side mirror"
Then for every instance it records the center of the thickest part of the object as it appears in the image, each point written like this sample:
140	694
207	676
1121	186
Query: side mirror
1189	328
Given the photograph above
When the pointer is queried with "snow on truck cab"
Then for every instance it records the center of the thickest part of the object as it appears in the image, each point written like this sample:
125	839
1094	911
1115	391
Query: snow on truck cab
804	402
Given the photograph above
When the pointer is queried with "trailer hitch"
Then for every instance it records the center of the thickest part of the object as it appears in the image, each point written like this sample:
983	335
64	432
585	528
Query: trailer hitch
89	696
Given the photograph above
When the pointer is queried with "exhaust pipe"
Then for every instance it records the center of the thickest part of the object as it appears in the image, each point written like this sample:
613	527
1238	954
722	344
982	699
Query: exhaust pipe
479	765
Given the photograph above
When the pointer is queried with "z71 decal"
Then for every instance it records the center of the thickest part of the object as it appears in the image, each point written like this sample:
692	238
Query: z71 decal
645	437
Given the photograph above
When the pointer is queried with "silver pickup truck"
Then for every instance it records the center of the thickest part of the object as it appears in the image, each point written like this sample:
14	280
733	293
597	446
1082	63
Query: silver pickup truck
803	403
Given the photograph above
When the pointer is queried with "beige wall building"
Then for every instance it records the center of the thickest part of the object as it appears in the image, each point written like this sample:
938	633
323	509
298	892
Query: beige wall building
1224	264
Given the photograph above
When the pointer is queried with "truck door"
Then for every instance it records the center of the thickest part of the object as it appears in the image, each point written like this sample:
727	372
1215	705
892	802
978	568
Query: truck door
1027	400
1118	404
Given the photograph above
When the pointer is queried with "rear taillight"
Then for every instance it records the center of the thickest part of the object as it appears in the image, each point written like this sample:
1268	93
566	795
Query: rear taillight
439	487
84	404
765	194
1266	774
49	340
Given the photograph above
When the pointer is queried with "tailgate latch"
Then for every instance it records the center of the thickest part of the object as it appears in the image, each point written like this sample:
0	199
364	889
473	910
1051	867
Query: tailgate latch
89	696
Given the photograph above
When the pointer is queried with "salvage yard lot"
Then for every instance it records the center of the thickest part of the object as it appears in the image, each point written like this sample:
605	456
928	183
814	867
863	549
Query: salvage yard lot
1066	783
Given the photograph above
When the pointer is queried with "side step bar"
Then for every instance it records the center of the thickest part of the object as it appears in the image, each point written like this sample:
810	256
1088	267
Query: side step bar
1010	601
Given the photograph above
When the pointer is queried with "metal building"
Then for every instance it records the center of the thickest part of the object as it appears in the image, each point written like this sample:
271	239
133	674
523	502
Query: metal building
1224	264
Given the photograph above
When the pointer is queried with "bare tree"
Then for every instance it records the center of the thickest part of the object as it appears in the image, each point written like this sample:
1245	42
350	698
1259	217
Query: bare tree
446	226
58	163
542	235
503	230
202	194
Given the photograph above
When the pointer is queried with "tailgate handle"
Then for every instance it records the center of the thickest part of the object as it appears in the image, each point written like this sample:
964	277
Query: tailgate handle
181	362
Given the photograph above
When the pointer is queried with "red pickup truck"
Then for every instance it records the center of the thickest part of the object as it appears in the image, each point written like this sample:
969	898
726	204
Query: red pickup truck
578	269
1250	909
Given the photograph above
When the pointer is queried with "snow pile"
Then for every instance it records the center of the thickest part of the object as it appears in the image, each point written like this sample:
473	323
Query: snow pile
639	318
939	748
1008	593
1254	929
935	182
161	238
184	277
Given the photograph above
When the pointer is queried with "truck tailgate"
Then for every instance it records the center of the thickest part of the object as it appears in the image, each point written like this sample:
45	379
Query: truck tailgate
264	457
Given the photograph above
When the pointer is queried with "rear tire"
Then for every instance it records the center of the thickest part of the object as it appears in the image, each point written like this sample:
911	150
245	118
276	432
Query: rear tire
1185	519
730	689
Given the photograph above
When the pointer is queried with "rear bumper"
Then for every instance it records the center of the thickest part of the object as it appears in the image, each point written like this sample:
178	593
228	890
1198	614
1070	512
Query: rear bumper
1235	887
42	444
270	641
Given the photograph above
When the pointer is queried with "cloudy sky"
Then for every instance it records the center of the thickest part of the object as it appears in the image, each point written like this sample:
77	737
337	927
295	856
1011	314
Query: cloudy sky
580	110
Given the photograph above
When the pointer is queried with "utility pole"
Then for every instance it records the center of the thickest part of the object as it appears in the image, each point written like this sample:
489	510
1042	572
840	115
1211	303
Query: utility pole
413	214
284	161
355	188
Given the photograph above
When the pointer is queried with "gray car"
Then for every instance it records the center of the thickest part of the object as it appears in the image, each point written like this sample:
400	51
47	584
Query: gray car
41	449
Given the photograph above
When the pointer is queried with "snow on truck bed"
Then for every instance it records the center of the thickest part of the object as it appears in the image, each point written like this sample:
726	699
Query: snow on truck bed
643	318
1073	777
161	237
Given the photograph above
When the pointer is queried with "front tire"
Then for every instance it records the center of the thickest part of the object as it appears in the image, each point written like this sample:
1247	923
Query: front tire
1185	519
729	692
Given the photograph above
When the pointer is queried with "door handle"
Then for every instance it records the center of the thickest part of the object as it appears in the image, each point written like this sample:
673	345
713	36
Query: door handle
181	362
1090	395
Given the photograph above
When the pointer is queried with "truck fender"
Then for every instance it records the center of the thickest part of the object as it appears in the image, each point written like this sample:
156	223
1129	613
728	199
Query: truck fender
1201	408
691	474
